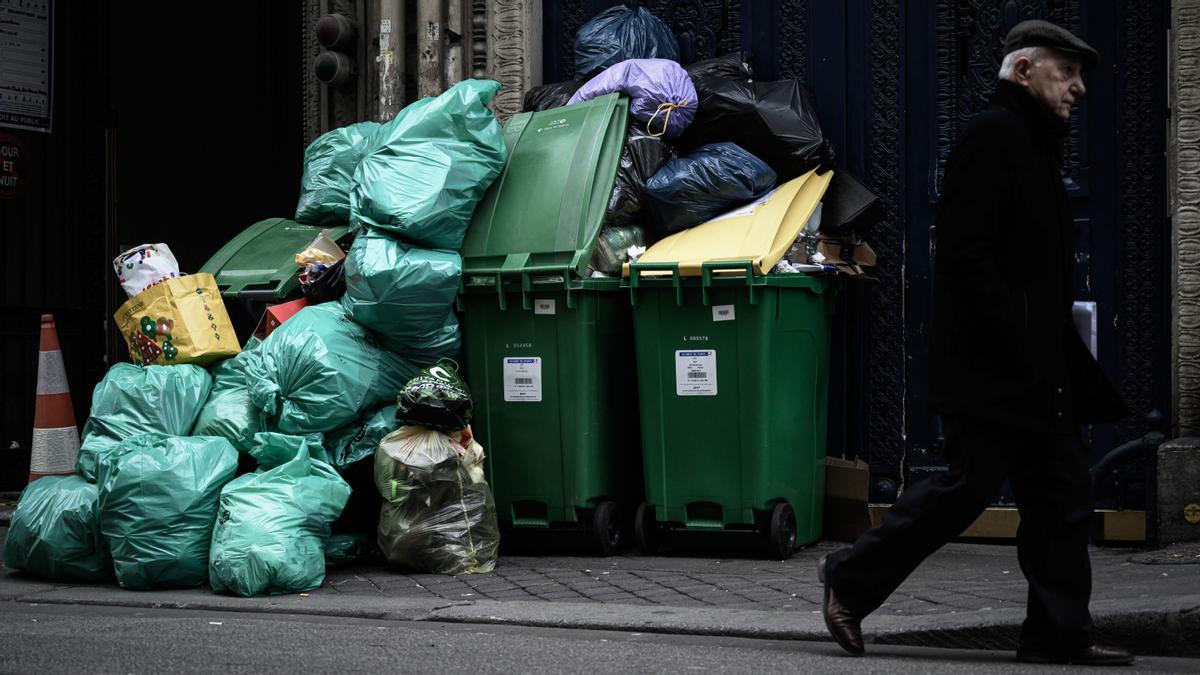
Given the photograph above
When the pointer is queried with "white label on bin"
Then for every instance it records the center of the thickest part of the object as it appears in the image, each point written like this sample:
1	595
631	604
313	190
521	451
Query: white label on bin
543	306
723	313
696	372
523	379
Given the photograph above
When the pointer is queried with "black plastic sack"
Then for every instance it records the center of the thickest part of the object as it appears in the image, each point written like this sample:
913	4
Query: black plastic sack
735	66
621	33
849	205
330	286
553	95
436	398
641	158
693	189
776	121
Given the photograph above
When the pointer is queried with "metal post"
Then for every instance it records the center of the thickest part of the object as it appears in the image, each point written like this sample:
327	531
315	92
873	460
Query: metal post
431	21
388	29
457	18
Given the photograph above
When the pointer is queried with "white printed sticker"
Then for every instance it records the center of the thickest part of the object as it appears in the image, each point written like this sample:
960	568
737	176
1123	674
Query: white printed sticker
723	313
696	372
543	306
523	379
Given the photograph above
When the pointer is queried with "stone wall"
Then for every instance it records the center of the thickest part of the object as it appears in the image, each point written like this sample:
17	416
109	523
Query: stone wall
1184	169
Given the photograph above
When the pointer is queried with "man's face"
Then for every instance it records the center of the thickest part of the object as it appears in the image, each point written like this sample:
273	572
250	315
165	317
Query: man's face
1056	80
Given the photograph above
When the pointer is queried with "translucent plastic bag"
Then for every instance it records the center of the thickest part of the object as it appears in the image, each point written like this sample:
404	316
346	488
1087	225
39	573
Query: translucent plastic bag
133	400
428	167
329	164
612	248
438	514
158	501
320	370
403	293
621	33
55	532
272	525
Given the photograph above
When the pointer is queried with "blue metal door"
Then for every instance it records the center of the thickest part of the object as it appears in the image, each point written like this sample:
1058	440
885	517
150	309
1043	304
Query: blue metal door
895	81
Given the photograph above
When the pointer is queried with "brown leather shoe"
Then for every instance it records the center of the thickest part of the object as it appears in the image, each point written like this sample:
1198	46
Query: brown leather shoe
1094	655
842	624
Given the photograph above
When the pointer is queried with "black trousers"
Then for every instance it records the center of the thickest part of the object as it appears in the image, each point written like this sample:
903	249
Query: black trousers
1050	480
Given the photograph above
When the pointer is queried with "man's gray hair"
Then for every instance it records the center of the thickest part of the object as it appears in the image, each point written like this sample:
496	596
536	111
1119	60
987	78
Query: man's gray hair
1034	54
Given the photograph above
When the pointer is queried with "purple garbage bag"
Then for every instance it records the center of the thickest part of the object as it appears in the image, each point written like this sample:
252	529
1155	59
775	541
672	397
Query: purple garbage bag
661	93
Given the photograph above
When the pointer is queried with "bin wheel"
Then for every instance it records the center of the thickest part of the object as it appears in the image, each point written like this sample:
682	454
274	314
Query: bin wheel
782	533
645	529
606	527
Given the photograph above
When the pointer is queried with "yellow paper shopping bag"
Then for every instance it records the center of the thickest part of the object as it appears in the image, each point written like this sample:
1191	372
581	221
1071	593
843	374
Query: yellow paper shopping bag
181	320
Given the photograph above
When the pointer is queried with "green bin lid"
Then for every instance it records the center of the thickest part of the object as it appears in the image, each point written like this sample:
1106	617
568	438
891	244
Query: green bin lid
262	259
543	214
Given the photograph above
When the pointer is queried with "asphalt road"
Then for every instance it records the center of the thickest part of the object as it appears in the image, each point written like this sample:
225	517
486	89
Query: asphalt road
77	638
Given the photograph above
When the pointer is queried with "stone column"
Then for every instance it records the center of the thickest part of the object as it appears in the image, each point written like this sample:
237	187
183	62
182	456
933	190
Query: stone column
1184	168
514	51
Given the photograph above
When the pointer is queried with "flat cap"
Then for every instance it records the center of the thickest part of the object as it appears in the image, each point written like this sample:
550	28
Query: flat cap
1036	33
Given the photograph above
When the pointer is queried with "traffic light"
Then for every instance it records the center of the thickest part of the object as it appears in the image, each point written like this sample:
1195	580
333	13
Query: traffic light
333	66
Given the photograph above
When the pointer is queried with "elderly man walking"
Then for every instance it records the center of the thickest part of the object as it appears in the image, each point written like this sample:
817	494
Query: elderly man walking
1009	374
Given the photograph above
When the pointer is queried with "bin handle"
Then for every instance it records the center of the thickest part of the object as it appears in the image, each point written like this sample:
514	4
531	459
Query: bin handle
635	279
706	276
500	292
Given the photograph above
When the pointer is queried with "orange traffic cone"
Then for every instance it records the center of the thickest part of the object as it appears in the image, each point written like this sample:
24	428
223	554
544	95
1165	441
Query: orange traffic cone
55	438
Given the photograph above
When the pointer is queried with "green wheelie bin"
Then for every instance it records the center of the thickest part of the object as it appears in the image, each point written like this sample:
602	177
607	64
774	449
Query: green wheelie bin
733	374
257	268
549	352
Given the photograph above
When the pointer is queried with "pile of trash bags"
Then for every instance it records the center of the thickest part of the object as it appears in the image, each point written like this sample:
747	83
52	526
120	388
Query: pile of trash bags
253	475
706	138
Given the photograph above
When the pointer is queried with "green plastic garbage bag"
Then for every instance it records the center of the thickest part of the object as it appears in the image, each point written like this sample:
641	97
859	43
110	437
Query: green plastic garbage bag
133	400
344	549
438	514
228	412
55	532
158	502
428	167
272	526
403	293
359	439
320	370
329	164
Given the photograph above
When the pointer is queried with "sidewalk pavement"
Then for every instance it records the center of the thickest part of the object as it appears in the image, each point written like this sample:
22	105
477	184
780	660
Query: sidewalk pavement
965	596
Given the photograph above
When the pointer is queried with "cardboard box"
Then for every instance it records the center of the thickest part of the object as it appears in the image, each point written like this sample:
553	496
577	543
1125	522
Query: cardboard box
276	315
847	488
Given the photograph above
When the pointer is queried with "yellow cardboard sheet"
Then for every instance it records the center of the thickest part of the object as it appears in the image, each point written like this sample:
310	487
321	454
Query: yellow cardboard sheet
760	232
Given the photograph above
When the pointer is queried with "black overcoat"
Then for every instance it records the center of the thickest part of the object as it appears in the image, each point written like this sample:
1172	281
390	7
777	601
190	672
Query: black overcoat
1003	346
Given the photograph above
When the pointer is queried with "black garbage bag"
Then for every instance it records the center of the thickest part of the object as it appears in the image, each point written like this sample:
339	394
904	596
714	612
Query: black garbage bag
330	286
848	205
553	95
436	398
735	66
641	158
776	121
691	190
621	33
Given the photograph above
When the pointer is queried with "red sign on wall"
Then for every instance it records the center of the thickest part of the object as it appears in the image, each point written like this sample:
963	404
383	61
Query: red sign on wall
14	161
